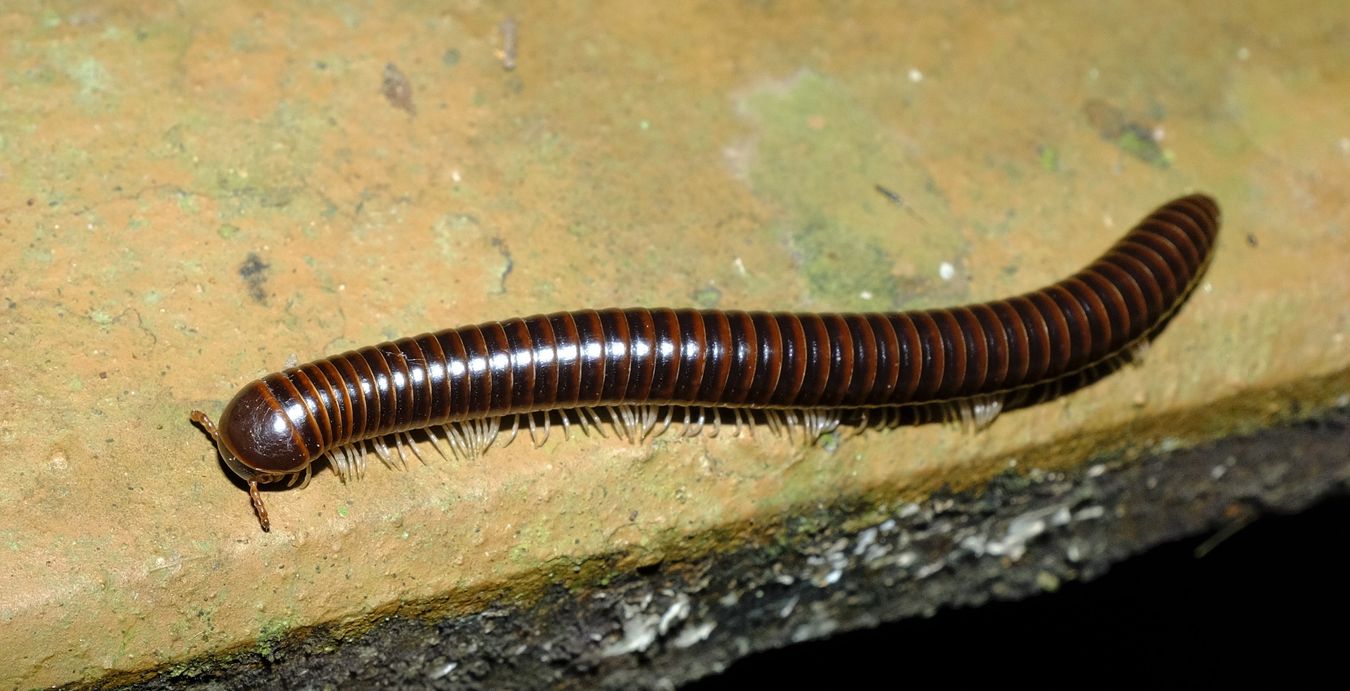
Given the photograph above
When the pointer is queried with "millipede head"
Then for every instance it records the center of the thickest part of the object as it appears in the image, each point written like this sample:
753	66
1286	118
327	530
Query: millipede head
257	441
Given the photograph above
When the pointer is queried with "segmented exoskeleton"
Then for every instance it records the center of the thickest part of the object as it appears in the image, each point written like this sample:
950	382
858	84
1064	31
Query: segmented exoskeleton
640	369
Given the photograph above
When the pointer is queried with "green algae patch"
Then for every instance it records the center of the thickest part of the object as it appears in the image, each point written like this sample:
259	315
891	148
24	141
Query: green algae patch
820	156
1130	134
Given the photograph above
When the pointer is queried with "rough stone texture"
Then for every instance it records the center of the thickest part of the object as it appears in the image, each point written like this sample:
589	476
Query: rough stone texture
821	573
193	195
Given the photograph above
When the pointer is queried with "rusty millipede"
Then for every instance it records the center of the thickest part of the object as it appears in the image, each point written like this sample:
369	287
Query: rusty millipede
642	370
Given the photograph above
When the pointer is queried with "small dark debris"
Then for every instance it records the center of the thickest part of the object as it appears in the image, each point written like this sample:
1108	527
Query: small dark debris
451	57
397	89
1251	240
894	198
254	273
500	245
31	201
890	196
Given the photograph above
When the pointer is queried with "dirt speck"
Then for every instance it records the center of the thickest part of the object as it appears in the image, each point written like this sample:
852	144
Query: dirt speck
254	273
397	89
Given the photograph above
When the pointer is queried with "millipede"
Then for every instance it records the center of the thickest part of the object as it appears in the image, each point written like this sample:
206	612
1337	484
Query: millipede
639	371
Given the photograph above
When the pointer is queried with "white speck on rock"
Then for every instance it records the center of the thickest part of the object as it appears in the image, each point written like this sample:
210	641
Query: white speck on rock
694	634
443	670
928	569
866	539
678	611
638	634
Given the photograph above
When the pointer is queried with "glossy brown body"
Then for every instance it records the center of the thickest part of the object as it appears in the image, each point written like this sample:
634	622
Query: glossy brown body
719	358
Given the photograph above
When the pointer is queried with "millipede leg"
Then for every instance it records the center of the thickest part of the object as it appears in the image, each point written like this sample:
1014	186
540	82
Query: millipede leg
792	425
337	462
358	464
515	429
492	428
258	507
617	422
594	421
436	443
334	461
533	435
407	437
309	473
398	448
689	427
982	412
771	420
632	423
382	450
670	413
826	422
650	416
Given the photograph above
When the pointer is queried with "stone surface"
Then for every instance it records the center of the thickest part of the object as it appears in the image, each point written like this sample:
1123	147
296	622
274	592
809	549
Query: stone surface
193	196
824	572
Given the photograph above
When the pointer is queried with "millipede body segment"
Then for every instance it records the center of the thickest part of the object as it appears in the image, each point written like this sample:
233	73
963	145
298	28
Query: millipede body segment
640	368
